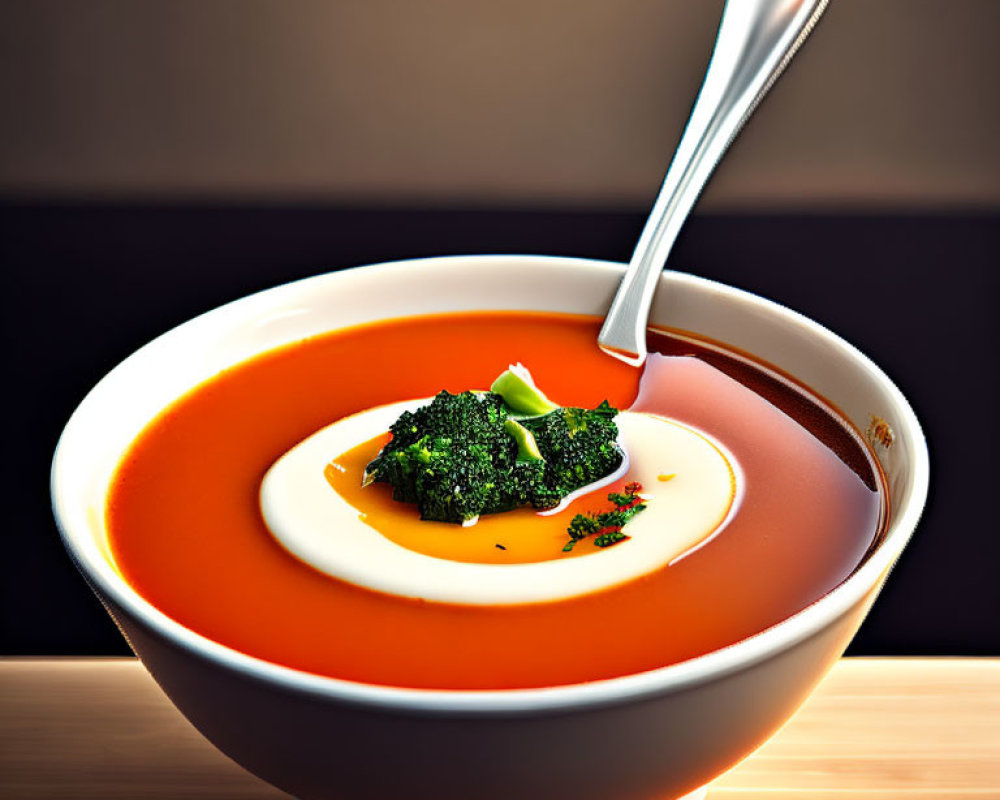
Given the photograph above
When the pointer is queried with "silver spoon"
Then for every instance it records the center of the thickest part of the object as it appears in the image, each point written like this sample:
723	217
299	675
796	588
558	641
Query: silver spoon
756	40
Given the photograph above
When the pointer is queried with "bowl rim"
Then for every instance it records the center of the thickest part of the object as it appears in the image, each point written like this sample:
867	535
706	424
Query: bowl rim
716	664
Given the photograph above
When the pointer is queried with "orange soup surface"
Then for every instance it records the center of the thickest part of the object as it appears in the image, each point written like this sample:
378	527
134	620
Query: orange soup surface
187	533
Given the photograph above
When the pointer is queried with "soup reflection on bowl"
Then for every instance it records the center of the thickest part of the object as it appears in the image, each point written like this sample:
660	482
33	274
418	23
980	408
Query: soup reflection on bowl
487	661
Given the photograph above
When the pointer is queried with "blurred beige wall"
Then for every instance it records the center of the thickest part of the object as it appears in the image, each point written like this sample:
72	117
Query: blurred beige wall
892	103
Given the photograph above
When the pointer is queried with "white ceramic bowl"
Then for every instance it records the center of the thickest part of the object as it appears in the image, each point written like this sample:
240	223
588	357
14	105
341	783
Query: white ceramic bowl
648	736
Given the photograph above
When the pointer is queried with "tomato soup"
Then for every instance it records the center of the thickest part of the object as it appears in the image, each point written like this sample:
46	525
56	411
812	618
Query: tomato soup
186	529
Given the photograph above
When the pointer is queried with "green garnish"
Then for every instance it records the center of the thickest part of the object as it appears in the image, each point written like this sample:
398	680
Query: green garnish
479	453
520	395
527	447
607	526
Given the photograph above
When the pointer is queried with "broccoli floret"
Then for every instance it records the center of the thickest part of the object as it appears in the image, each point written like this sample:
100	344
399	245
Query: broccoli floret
453	458
579	447
463	455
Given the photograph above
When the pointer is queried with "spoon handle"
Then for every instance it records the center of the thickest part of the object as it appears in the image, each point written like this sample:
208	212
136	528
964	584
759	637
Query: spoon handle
756	40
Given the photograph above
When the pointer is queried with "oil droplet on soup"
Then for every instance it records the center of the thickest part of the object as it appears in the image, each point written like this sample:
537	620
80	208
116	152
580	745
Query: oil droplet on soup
186	530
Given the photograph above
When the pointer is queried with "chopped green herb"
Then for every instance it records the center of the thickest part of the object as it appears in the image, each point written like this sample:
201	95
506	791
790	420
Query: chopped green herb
607	526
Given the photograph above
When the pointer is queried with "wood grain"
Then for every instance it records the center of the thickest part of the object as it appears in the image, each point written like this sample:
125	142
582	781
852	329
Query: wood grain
885	729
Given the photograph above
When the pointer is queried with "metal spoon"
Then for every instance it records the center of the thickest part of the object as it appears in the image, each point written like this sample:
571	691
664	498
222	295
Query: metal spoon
756	40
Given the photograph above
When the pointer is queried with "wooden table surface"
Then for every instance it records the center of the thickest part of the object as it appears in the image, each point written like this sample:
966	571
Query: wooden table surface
83	728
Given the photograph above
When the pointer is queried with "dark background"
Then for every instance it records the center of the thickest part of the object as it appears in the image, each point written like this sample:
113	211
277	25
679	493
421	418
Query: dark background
86	283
